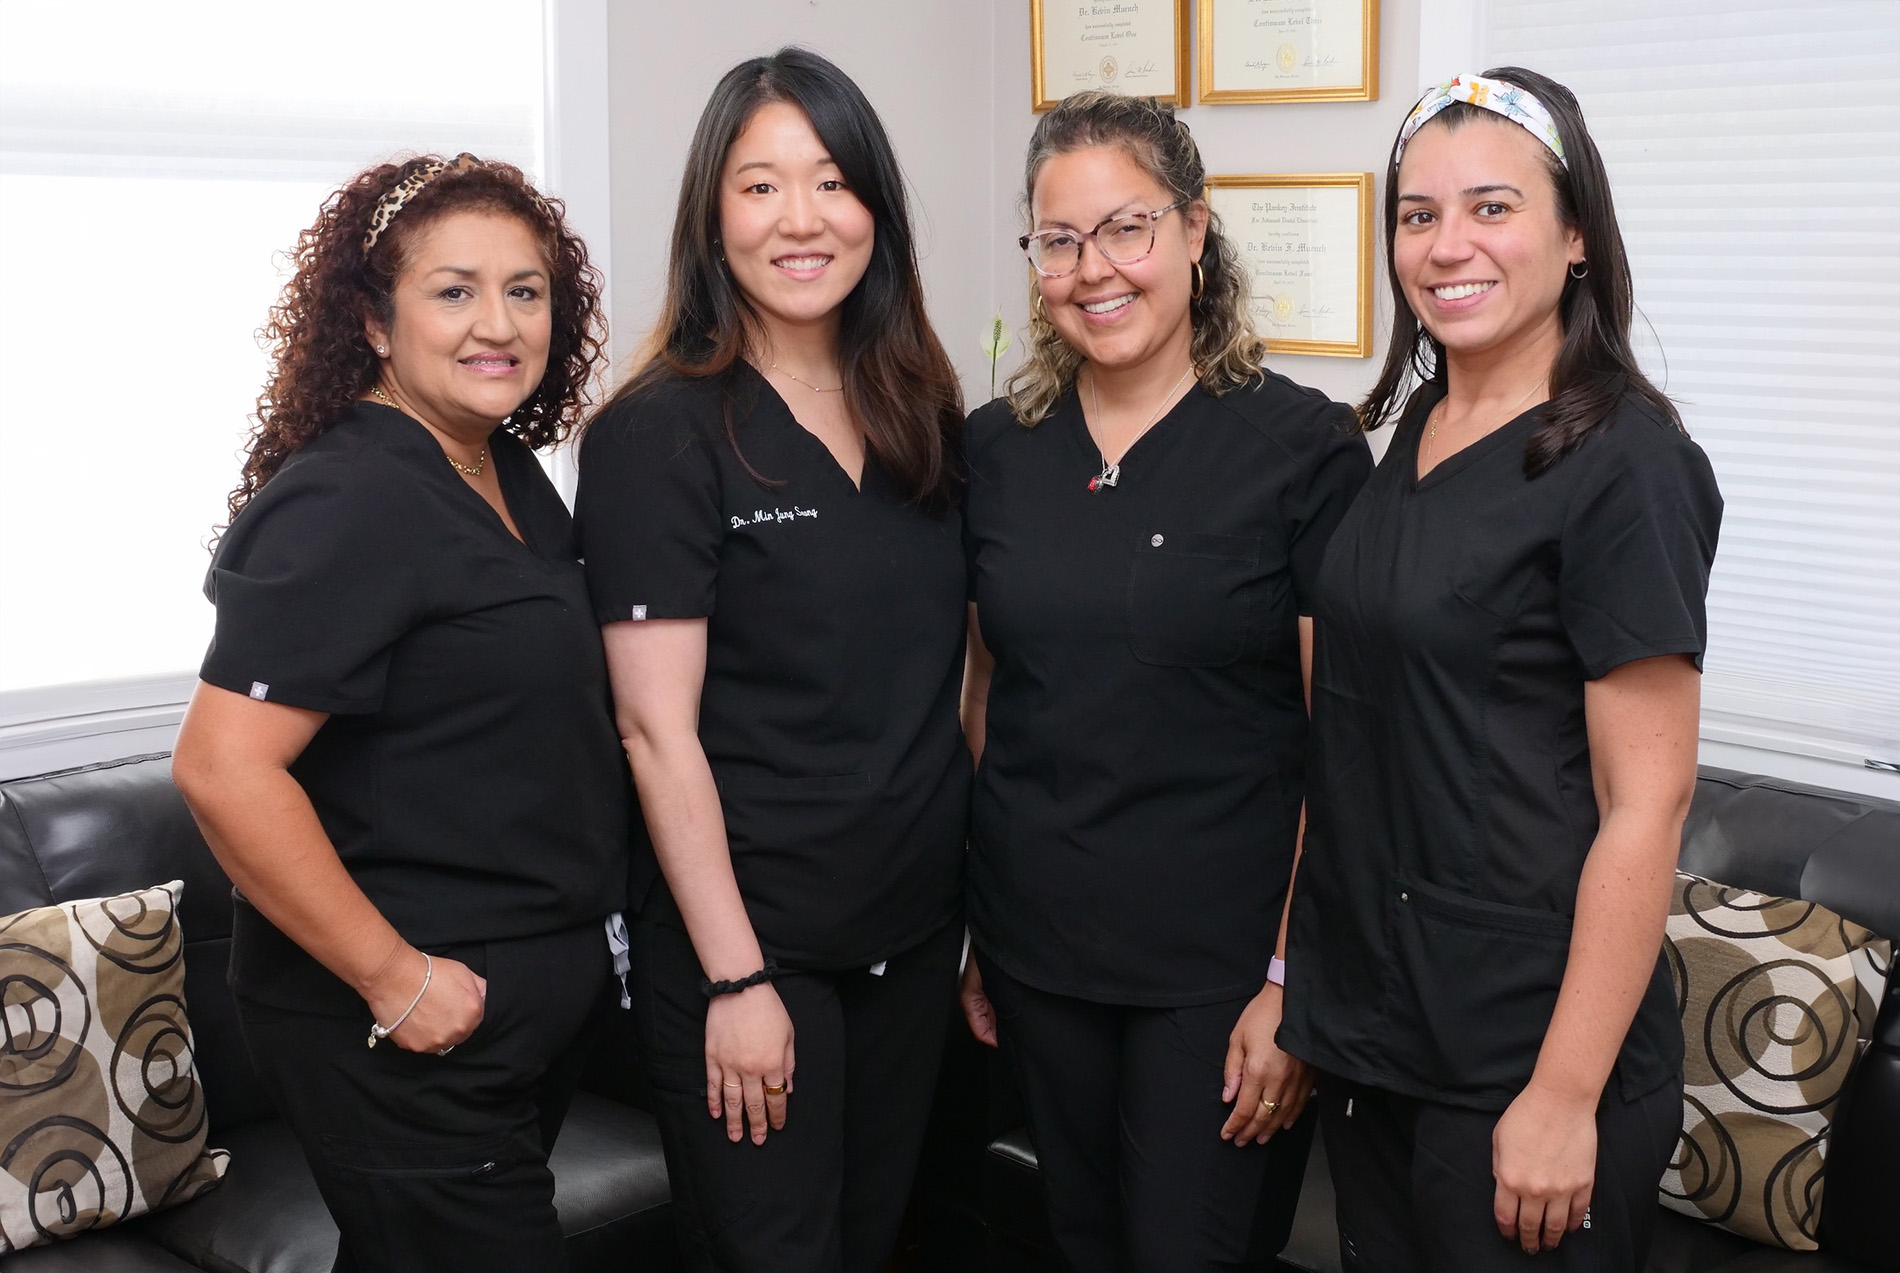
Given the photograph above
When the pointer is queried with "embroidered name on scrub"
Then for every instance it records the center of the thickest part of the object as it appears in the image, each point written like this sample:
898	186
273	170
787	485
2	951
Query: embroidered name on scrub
773	515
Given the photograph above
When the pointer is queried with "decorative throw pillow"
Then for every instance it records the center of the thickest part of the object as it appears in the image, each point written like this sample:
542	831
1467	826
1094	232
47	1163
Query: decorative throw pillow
1777	997
101	1113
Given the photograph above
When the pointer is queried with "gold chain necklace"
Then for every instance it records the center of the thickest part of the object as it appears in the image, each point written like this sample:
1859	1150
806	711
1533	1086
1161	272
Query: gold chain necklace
467	470
1438	414
1111	474
808	384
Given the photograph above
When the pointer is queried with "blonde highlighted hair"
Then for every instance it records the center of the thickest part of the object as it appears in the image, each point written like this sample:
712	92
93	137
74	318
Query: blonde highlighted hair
1227	351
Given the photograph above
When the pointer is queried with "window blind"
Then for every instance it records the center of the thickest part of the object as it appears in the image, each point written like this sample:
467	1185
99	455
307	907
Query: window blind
1754	153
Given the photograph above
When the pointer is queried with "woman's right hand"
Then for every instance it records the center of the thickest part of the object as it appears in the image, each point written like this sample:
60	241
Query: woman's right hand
448	1011
977	1008
748	1049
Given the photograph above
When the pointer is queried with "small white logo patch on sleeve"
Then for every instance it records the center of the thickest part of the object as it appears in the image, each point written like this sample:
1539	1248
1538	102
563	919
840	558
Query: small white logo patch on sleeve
639	612
877	969
260	691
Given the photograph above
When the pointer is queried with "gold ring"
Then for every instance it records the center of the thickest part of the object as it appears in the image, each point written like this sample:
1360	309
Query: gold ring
734	1085
1269	1106
775	1089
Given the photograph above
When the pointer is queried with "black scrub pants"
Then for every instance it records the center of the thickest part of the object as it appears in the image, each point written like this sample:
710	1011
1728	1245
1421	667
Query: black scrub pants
1415	1187
428	1162
1124	1108
827	1193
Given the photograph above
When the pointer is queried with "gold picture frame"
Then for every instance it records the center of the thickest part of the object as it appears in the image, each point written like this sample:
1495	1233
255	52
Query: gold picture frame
1113	26
1308	258
1277	55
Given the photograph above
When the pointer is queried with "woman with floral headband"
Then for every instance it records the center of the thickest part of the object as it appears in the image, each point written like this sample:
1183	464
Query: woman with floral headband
1510	627
400	750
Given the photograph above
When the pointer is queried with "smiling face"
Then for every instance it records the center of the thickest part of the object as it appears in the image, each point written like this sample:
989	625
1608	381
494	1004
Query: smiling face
468	342
1118	316
794	235
1480	250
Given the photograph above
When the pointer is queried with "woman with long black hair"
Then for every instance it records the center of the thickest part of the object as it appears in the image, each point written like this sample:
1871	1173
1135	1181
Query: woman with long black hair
769	516
1509	629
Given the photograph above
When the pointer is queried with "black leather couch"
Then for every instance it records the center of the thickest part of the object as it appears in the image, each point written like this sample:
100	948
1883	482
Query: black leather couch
106	829
981	1206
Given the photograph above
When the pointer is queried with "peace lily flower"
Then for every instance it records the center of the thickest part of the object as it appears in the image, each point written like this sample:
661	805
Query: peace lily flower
994	344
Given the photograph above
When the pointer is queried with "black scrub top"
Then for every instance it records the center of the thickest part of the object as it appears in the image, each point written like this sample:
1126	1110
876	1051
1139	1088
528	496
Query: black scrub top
469	774
1139	795
1450	806
834	658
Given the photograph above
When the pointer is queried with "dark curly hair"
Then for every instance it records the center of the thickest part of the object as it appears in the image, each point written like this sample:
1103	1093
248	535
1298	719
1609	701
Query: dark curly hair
321	360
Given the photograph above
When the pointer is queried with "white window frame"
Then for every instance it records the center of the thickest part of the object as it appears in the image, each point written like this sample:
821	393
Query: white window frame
1451	40
54	727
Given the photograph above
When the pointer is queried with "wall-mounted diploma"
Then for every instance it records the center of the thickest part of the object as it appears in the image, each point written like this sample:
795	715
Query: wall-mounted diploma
1138	47
1289	51
1306	244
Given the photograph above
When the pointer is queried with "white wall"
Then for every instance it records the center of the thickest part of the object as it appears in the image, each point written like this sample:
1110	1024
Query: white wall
951	80
926	68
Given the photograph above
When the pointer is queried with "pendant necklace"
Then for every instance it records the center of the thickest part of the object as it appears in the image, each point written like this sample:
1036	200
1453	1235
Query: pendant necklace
1438	414
1111	474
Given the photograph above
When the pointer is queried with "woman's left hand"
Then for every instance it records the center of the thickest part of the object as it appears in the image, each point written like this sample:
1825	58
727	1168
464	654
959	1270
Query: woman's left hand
1544	1156
1268	1087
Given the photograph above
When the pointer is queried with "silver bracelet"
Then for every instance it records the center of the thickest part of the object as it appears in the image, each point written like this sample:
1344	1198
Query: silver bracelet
377	1033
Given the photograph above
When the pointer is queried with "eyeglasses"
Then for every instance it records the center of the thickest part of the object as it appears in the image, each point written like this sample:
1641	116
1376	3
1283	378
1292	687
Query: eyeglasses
1122	239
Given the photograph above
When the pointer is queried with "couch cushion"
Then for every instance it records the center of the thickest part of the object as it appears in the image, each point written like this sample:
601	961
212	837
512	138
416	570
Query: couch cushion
112	827
121	1250
609	1187
103	1117
1776	996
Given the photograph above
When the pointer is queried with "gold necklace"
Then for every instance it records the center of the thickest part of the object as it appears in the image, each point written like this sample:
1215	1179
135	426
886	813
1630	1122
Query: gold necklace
808	384
1438	414
468	470
1111	474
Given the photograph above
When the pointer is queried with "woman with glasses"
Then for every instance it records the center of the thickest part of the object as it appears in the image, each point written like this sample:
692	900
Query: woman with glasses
1145	514
769	516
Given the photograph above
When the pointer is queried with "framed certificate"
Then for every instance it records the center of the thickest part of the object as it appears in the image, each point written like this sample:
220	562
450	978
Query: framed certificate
1289	51
1306	244
1138	47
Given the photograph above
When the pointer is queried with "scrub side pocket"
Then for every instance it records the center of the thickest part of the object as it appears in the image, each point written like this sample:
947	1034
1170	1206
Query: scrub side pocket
1189	601
1482	978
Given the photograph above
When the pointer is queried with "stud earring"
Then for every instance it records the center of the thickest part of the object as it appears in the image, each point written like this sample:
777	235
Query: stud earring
382	349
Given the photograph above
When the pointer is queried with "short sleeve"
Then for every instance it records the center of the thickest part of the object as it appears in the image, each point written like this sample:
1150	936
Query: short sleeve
312	591
1638	542
648	512
1332	464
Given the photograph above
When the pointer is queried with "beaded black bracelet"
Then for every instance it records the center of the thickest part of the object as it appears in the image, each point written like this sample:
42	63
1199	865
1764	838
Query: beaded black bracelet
713	989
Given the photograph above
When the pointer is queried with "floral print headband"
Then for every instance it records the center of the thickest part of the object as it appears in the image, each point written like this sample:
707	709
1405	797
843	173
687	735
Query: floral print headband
1518	105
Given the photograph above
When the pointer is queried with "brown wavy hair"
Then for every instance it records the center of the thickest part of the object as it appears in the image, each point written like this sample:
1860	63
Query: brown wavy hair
321	360
1227	352
899	384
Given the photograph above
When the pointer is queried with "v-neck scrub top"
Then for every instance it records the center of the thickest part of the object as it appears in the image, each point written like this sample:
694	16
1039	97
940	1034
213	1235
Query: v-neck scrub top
834	658
469	774
1139	794
1450	806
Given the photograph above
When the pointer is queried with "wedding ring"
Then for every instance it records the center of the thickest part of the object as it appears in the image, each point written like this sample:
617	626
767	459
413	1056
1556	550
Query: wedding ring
734	1085
1269	1106
775	1089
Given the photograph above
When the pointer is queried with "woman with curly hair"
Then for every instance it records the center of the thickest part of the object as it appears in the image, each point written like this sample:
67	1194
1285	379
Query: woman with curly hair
1146	513
400	750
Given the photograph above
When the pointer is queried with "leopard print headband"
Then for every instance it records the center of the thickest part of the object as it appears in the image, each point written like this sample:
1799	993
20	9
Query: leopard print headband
409	187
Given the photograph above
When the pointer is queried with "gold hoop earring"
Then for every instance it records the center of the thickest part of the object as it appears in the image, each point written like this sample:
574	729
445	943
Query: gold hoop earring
1035	305
1200	283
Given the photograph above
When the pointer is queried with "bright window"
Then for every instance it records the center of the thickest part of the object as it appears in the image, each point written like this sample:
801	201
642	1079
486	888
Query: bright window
156	162
1754	148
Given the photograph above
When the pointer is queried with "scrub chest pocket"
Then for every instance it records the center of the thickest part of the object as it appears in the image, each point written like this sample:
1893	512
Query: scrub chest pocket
1190	598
